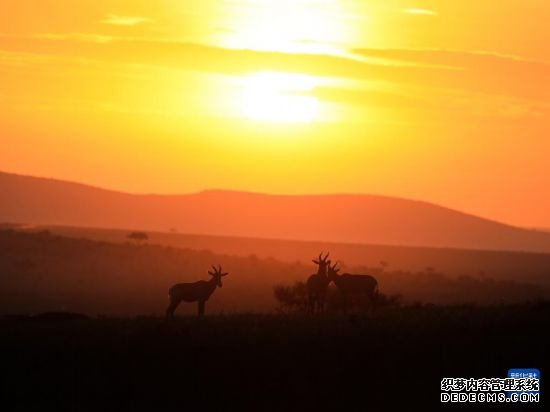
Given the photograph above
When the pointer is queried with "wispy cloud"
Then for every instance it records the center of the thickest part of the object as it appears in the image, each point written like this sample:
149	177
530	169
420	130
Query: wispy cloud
118	20
419	11
83	37
479	72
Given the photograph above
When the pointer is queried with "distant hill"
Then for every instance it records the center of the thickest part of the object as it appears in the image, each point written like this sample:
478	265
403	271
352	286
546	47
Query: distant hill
332	218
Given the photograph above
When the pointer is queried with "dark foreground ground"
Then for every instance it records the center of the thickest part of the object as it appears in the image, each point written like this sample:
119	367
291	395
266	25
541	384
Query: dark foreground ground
391	361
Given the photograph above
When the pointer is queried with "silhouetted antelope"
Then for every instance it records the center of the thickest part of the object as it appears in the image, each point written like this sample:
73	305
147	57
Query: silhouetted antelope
194	292
317	285
353	286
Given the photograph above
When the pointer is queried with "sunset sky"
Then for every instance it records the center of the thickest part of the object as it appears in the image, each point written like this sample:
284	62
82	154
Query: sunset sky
445	101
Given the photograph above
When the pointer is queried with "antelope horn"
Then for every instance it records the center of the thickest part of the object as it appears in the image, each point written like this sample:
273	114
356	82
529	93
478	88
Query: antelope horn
326	257
219	268
214	267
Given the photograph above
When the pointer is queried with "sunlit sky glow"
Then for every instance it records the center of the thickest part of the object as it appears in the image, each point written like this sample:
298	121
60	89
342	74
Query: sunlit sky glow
440	100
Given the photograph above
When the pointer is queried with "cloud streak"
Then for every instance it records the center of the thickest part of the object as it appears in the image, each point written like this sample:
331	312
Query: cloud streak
419	11
479	71
117	20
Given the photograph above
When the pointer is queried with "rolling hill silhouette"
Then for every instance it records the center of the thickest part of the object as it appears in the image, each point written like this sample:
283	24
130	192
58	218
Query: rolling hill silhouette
335	218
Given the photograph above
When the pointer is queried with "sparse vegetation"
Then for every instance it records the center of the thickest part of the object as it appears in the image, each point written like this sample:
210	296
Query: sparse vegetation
499	265
45	272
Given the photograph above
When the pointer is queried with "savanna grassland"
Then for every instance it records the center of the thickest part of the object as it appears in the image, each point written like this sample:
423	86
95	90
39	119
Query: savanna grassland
83	330
393	360
42	271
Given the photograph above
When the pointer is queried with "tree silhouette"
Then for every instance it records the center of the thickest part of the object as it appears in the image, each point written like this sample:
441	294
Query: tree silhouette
138	237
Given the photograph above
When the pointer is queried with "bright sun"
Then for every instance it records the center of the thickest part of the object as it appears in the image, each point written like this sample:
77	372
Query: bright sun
279	97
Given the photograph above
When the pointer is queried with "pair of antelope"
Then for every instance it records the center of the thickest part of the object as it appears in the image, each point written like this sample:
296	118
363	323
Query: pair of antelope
351	286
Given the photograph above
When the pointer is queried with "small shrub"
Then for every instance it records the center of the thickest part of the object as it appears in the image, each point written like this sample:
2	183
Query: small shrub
291	298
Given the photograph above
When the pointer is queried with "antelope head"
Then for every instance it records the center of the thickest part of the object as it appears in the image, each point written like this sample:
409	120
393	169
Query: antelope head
323	262
333	271
217	275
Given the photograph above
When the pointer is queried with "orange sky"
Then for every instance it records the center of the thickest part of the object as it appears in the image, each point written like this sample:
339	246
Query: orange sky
446	101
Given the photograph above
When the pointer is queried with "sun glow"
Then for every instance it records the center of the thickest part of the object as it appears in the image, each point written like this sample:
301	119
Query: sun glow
279	97
285	26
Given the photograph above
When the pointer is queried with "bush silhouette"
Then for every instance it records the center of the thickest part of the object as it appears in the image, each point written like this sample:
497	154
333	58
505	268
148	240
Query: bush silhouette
291	298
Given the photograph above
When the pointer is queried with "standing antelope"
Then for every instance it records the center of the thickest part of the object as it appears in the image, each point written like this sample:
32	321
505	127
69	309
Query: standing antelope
354	286
317	285
194	292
